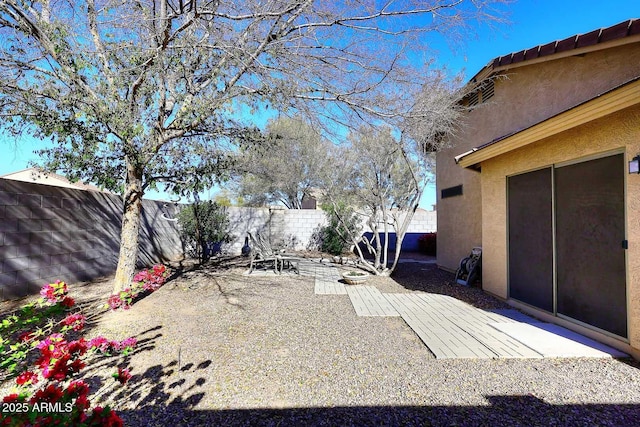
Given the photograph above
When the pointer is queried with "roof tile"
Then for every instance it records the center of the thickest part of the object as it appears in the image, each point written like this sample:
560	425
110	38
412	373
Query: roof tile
548	49
518	57
588	39
567	44
505	60
615	32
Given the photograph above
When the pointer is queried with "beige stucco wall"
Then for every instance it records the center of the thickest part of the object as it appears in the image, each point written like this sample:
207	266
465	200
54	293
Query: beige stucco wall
619	131
524	95
459	217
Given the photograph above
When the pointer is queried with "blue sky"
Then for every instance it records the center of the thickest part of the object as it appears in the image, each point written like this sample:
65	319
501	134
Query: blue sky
532	22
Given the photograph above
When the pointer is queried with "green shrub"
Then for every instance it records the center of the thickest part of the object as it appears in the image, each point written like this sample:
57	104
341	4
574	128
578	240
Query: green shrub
334	237
203	224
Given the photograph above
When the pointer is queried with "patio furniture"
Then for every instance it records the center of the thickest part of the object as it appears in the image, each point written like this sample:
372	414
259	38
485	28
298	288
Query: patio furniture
263	253
289	262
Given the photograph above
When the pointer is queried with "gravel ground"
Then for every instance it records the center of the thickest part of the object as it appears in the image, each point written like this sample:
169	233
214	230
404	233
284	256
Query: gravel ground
221	348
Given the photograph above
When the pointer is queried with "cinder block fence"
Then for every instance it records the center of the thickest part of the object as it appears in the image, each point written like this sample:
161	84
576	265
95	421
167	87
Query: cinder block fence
49	233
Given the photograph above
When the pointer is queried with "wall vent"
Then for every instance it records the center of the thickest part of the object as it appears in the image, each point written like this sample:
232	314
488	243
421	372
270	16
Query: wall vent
451	192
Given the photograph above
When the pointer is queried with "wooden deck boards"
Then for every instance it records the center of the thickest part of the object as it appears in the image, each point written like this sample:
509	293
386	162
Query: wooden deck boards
453	329
324	287
449	327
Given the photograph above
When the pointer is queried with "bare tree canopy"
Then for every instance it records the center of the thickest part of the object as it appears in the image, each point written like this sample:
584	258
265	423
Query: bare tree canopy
136	92
285	168
381	173
379	177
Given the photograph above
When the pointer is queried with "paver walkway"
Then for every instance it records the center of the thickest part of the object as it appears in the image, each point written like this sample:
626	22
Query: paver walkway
369	301
451	328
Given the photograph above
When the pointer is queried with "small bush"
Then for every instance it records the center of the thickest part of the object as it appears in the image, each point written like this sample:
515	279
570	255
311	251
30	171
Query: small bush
334	237
427	243
202	225
331	242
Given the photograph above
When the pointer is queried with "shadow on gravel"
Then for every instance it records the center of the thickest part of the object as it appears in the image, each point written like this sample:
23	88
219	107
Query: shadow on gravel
429	278
502	411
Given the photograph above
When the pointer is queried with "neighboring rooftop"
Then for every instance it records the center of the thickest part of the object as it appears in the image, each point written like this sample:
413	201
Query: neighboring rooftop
47	178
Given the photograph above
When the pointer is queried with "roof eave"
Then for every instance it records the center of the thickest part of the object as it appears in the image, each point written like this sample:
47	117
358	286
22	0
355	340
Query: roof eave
604	39
610	102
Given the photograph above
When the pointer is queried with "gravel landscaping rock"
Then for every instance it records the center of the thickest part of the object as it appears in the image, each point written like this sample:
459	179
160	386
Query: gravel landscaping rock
222	348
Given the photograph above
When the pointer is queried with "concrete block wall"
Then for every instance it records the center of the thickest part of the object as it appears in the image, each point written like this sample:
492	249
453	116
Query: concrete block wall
52	233
423	222
285	228
293	228
301	224
243	221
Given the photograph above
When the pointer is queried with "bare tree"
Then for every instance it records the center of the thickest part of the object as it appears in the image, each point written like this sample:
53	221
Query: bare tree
133	93
285	168
381	173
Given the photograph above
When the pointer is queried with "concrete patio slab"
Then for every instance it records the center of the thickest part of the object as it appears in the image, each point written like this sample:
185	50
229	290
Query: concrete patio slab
555	341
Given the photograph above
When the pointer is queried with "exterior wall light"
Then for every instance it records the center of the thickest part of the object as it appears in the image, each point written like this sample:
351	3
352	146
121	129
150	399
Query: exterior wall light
634	164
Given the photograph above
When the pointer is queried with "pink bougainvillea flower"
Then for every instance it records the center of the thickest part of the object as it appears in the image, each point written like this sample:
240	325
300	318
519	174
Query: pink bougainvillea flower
53	292
78	388
76	365
99	343
142	276
59	370
51	393
114	302
68	302
47	293
50	343
123	375
105	418
26	336
78	347
76	321
13	397
27	377
128	342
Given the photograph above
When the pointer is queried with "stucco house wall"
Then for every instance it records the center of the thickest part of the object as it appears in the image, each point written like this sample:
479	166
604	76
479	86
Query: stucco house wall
618	132
579	101
525	93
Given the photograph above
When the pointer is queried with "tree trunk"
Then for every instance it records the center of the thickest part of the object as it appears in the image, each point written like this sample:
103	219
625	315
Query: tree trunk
130	231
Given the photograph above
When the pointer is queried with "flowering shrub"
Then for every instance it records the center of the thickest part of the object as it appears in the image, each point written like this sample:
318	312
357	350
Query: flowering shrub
123	300
146	280
123	375
45	393
57	405
109	347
